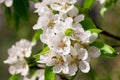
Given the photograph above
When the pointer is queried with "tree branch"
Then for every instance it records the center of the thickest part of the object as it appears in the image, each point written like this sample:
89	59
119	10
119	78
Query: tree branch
108	33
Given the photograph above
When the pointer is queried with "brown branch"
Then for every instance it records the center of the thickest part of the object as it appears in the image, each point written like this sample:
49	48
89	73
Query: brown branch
109	34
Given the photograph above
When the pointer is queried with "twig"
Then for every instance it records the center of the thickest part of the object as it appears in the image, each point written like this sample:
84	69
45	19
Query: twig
108	33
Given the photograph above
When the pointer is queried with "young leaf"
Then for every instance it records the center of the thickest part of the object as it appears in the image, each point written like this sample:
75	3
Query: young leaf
88	24
106	50
45	50
95	30
88	3
37	35
69	32
14	77
49	75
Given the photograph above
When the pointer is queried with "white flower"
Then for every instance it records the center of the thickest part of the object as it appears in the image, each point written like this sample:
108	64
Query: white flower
39	75
46	22
60	63
20	66
16	59
8	3
102	1
24	48
62	6
42	9
79	56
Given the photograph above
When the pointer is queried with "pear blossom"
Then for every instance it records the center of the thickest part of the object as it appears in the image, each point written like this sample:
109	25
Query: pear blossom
8	3
58	61
19	67
63	6
46	22
79	57
17	54
102	1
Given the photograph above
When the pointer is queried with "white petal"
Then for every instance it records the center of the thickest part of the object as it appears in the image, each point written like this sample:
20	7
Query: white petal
84	66
73	12
12	70
77	46
93	37
83	54
79	18
57	68
8	3
94	52
37	26
68	22
65	69
73	51
55	7
72	69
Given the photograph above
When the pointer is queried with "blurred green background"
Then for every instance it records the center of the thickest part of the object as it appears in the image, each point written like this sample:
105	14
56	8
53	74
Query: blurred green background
105	68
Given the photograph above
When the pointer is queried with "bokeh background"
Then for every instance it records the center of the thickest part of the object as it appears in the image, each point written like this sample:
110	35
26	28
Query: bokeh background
104	68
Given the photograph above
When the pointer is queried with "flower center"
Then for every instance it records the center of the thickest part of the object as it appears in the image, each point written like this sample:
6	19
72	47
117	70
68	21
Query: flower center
51	23
65	7
62	44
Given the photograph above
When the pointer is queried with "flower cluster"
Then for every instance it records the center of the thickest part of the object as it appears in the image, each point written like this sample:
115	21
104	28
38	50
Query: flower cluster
64	35
8	3
17	54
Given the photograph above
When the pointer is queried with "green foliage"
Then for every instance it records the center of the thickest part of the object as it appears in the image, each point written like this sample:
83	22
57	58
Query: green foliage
88	24
14	77
37	35
88	4
69	32
106	50
43	51
95	31
49	74
21	8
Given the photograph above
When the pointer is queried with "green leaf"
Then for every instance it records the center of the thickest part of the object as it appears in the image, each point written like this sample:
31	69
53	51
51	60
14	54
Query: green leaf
14	77
49	75
95	30
69	32
8	15
88	3
21	8
88	24
106	50
45	50
37	35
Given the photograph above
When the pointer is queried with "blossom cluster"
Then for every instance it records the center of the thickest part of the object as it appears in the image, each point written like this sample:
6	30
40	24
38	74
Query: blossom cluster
63	33
17	57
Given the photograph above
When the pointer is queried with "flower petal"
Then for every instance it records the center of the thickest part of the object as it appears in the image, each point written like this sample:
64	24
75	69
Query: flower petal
84	66
79	18
72	69
83	54
8	3
94	52
57	68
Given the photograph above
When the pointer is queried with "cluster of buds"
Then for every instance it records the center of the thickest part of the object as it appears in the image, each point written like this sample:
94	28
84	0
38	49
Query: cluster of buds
64	35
